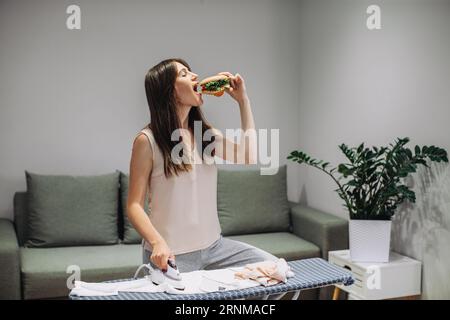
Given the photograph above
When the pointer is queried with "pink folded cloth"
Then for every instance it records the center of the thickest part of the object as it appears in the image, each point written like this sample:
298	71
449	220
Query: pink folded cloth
267	273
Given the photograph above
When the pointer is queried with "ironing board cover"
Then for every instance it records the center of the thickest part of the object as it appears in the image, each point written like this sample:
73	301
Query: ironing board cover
309	273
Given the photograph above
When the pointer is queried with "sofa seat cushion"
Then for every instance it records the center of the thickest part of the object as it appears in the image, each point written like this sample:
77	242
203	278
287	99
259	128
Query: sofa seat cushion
44	269
281	244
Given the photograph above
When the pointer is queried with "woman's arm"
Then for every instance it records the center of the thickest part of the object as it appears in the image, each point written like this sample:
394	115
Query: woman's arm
140	170
246	150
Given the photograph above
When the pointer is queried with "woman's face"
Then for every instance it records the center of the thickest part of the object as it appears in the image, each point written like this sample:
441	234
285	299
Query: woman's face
184	87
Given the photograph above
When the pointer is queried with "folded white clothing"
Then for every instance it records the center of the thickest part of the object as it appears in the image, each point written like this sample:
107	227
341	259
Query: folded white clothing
106	288
223	280
199	281
83	292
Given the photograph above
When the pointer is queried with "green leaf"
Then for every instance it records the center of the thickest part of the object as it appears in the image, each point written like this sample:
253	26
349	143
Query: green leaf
417	150
408	153
360	148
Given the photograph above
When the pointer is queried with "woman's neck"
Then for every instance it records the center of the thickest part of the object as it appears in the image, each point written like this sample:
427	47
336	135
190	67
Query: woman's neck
183	114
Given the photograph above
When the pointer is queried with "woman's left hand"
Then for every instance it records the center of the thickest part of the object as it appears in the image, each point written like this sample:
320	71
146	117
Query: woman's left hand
237	91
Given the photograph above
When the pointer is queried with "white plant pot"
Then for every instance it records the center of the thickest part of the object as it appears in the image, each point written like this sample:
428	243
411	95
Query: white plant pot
369	240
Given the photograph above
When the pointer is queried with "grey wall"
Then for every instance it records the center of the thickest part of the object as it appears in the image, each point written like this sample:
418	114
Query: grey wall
357	85
71	101
422	230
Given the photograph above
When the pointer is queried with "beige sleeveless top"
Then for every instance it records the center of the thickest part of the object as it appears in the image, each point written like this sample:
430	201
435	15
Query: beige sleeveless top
183	208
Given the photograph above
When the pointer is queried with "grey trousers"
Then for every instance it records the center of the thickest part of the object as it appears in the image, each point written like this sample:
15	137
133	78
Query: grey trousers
223	253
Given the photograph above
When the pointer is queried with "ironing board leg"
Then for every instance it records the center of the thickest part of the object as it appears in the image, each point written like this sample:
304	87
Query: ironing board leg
295	296
336	292
279	296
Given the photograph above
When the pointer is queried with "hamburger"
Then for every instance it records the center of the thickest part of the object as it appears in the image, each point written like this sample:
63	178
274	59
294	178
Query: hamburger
215	85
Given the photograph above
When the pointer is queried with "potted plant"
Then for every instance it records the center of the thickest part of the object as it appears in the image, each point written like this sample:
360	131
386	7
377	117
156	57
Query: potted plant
372	185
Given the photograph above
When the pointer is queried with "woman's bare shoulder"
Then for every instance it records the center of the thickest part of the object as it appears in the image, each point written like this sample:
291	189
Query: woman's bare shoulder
142	145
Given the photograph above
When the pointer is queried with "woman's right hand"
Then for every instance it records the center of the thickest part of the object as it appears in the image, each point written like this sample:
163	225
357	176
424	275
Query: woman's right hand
160	254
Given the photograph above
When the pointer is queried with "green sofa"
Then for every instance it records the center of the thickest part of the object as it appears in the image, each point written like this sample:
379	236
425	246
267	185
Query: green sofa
40	253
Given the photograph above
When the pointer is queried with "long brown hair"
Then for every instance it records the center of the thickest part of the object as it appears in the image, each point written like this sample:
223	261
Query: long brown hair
160	90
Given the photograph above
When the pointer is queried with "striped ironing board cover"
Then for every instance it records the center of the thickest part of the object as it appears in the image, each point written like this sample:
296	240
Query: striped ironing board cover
309	274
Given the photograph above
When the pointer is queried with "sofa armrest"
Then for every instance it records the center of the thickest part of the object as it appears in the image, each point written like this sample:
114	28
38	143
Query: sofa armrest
325	230
9	262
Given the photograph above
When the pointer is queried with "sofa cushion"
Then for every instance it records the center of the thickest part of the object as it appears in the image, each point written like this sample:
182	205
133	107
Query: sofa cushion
72	210
281	244
20	203
46	271
248	202
130	235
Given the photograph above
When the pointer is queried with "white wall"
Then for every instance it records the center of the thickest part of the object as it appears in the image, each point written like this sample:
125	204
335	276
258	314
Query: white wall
357	85
72	101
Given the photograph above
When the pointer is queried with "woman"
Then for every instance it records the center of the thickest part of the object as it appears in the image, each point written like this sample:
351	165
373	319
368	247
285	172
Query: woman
183	221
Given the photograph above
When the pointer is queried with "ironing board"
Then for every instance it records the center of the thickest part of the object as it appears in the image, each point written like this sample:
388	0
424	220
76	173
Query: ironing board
309	274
